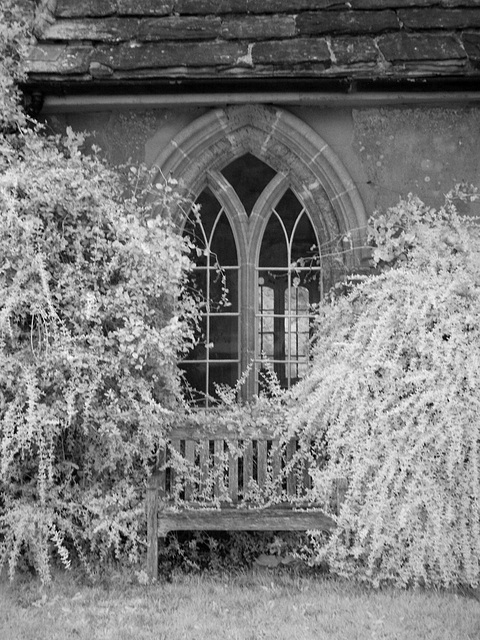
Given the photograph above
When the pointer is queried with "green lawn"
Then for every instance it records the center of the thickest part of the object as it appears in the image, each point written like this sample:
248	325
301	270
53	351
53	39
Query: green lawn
253	606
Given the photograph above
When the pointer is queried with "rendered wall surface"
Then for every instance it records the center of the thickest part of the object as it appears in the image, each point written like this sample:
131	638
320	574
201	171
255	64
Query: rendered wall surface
423	151
388	152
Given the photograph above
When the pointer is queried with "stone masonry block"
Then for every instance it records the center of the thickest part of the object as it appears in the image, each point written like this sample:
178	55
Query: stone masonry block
202	7
404	47
85	8
144	7
331	22
290	52
124	29
58	59
292	6
434	18
354	50
127	56
257	27
402	4
471	42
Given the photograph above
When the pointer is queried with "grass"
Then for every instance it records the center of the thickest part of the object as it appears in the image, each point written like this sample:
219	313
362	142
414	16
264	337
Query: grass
253	605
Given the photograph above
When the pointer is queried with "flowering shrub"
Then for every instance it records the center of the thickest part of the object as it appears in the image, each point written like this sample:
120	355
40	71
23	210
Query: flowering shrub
393	393
92	321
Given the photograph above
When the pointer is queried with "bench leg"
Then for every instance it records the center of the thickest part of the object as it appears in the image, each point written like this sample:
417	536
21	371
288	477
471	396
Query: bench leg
152	559
162	543
152	532
155	547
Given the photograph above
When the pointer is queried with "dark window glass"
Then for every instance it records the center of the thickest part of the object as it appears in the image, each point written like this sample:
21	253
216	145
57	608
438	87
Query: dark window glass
274	250
222	246
248	176
288	209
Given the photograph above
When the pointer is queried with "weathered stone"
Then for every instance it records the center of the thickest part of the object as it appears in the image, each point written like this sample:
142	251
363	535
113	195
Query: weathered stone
170	54
202	7
92	8
290	52
421	19
179	28
144	7
59	59
331	22
98	70
85	8
94	29
43	57
403	47
292	6
256	38
349	51
471	42
402	4
258	27
124	29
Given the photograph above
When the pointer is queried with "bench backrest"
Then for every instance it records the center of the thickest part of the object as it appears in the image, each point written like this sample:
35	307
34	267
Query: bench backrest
228	466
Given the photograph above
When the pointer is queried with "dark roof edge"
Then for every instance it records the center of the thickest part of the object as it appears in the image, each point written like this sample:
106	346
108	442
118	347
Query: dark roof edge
279	84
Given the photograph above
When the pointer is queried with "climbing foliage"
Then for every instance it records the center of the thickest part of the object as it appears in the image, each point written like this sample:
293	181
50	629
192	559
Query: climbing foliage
93	317
393	395
13	44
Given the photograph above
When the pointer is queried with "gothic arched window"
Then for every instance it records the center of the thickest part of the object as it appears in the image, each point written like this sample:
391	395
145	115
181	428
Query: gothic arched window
258	275
271	194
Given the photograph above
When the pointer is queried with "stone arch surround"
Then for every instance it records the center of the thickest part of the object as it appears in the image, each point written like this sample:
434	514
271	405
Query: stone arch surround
287	144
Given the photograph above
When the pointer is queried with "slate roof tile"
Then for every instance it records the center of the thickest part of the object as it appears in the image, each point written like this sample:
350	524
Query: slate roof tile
346	22
88	40
435	18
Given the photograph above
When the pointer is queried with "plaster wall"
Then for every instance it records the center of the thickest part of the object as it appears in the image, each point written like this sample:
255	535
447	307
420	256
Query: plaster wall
388	152
423	151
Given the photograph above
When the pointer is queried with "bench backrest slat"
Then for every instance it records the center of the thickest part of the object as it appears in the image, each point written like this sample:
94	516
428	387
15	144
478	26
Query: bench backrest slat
247	464
233	472
175	476
204	457
190	456
276	456
291	476
262	462
218	463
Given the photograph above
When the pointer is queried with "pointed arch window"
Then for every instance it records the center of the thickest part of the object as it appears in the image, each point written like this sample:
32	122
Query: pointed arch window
257	273
270	187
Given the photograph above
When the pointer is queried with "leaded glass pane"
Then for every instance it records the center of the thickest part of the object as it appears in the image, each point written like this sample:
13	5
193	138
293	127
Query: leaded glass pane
274	249
215	280
289	209
304	240
224	337
209	210
224	290
222	245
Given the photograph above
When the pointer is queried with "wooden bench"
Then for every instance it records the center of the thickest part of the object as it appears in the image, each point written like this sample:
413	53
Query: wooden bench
217	480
